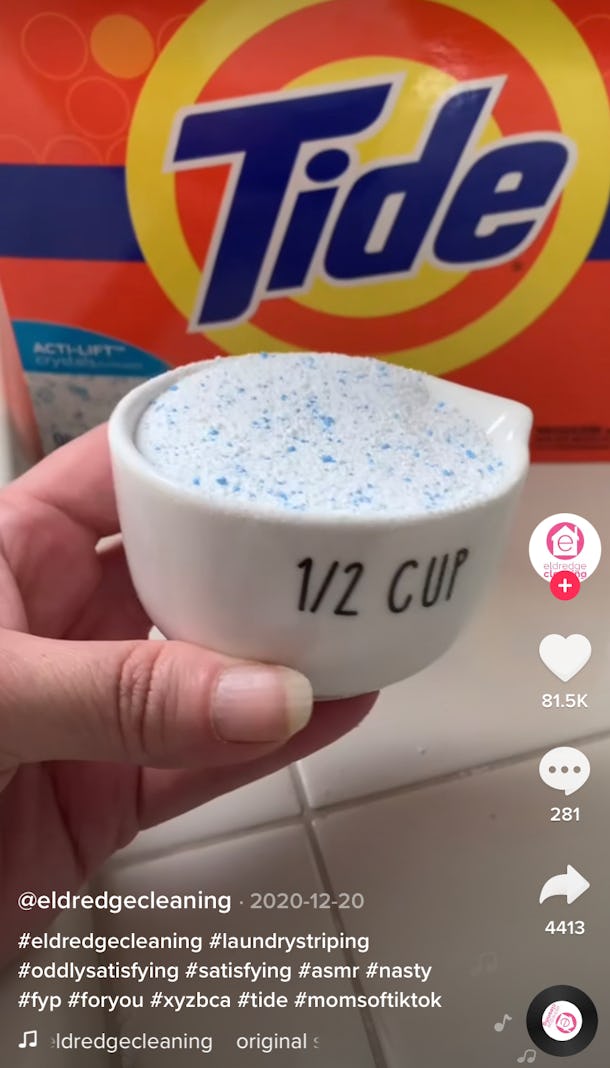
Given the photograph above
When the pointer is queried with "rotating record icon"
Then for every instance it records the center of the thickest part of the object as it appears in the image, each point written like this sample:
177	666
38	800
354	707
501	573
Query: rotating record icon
562	1021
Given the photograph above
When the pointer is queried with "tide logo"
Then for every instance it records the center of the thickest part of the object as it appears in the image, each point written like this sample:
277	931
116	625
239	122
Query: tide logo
298	204
420	186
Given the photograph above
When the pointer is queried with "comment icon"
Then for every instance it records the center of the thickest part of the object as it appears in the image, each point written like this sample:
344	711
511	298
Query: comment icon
565	769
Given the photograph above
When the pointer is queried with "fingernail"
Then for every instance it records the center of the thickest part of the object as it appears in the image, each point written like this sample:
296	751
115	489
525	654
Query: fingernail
253	703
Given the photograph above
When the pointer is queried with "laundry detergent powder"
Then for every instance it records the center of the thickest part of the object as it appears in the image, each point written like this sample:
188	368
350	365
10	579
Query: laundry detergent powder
426	183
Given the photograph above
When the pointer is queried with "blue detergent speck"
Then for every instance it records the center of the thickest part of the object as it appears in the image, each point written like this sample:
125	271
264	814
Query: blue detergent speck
388	445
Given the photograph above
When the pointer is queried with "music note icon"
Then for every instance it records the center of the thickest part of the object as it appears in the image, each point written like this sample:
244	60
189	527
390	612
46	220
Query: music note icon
487	962
500	1026
29	1040
528	1057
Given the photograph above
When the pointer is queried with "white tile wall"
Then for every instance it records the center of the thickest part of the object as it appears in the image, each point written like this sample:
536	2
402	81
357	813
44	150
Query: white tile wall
482	701
452	875
268	861
265	801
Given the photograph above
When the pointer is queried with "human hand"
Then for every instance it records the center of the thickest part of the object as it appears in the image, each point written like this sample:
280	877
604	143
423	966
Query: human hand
103	733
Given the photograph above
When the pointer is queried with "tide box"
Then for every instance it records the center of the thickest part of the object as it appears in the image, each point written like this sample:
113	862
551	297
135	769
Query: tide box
422	182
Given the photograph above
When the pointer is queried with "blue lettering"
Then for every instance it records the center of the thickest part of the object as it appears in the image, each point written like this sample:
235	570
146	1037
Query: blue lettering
421	182
310	214
266	136
503	198
299	205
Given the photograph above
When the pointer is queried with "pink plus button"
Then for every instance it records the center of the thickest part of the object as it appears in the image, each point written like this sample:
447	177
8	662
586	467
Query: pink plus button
565	585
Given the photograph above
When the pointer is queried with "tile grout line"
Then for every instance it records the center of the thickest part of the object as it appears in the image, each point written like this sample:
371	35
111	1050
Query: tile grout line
453	776
306	819
329	809
307	822
116	863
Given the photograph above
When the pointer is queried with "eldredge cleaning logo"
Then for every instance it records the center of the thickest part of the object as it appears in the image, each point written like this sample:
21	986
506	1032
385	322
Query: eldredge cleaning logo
565	542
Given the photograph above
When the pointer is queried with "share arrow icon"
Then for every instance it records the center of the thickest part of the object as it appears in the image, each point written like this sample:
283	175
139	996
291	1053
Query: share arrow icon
572	885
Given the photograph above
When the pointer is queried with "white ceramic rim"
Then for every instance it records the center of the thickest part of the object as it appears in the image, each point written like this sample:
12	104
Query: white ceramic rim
124	420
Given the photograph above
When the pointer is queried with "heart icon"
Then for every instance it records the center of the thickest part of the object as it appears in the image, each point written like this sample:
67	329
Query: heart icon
565	657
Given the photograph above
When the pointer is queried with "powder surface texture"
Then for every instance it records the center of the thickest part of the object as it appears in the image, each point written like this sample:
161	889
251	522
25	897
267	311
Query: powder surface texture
318	433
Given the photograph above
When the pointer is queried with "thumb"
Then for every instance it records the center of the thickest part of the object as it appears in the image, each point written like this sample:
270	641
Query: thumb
164	704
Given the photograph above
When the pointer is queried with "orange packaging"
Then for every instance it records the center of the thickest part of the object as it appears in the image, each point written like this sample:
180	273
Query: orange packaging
424	182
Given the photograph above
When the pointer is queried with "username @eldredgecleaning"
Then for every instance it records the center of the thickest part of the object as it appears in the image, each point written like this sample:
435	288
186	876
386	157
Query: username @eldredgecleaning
129	975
